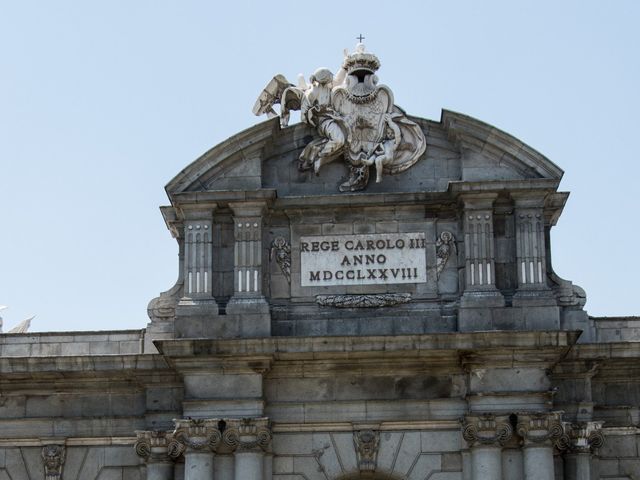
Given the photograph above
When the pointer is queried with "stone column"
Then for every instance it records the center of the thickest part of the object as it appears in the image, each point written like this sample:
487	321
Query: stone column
200	438
480	284
512	468
578	443
539	432
223	466
486	434
198	263
159	451
249	437
268	466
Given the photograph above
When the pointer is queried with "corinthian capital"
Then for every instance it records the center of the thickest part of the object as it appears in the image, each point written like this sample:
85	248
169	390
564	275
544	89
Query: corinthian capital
540	427
197	434
581	437
486	429
247	434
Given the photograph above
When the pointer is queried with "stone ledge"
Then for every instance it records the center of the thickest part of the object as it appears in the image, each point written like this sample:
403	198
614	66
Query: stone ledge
316	347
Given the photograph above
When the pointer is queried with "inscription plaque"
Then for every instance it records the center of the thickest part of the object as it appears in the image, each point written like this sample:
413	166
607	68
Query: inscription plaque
368	259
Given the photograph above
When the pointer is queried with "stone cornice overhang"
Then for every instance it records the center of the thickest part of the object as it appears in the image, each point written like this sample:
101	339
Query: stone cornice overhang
541	186
608	362
217	198
451	351
554	201
349	200
83	372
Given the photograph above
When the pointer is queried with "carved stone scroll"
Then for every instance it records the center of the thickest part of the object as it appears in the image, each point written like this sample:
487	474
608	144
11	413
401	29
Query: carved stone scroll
197	434
538	428
363	301
247	434
53	457
486	429
155	446
581	437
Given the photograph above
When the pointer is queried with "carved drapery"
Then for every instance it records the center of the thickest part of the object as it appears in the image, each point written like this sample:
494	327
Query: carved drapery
486	429
53	457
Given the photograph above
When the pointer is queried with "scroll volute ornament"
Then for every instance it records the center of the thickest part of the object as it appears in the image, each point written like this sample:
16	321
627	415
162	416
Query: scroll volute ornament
540	427
247	435
197	434
156	446
486	429
581	437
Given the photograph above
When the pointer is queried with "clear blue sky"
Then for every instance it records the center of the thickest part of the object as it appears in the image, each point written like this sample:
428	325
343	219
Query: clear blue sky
103	102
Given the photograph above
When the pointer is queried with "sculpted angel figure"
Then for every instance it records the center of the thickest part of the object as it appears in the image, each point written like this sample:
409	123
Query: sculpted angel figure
385	151
316	110
354	117
445	247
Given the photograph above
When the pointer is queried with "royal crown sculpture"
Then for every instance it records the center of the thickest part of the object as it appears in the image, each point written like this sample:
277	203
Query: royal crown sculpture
354	117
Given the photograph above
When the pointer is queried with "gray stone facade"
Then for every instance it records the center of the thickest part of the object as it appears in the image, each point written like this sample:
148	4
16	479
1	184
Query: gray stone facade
488	367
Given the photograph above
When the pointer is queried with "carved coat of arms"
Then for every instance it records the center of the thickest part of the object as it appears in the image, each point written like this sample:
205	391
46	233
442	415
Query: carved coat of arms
355	118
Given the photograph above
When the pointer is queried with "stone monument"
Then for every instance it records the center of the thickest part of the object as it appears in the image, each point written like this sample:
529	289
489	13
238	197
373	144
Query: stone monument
360	295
